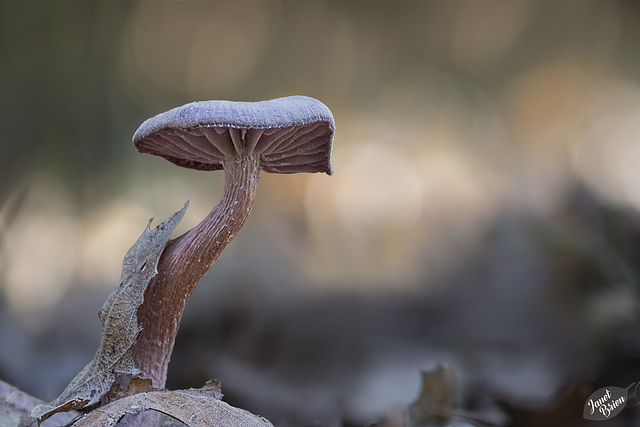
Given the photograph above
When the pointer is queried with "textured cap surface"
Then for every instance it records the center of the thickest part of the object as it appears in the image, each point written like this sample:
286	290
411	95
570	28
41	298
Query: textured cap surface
291	134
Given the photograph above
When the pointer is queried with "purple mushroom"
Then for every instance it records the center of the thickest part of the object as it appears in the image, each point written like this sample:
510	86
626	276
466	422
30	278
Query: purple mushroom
284	135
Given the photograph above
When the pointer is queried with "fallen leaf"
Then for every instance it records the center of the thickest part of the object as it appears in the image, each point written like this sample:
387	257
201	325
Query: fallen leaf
200	407
15	405
120	326
437	402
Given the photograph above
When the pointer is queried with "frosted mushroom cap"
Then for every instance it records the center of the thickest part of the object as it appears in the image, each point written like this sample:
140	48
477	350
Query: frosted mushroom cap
291	134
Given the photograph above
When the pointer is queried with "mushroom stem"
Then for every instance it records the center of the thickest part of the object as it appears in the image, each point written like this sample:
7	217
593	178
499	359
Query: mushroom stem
183	263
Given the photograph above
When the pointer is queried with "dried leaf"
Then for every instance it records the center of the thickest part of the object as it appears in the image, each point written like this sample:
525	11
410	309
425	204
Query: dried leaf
193	407
437	402
120	326
15	405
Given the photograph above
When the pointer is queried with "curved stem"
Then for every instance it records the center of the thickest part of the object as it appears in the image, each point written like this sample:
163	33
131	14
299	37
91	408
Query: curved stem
183	263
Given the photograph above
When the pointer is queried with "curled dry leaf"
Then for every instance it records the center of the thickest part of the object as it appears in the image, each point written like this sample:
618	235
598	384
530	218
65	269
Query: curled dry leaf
200	407
437	405
16	404
120	326
437	402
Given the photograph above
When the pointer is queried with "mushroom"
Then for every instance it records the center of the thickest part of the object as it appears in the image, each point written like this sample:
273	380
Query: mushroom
284	135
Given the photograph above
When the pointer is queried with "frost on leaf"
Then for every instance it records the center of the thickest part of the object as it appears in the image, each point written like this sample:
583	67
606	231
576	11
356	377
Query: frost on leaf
194	407
120	326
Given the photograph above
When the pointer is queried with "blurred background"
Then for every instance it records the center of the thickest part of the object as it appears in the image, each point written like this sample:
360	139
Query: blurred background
483	213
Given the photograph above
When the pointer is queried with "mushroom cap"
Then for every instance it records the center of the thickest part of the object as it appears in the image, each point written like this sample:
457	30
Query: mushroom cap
291	134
